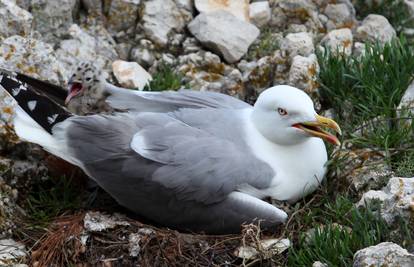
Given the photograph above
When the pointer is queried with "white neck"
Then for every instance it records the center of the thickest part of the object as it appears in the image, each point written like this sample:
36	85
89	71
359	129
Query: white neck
290	182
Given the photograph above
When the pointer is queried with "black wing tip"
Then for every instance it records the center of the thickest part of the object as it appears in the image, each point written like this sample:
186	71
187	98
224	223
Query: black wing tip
43	110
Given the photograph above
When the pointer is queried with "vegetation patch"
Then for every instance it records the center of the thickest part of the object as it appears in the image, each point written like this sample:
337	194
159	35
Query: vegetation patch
267	43
340	229
165	79
365	93
52	198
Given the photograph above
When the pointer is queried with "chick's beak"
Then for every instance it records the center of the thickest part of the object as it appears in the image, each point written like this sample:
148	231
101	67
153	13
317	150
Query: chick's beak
314	128
74	88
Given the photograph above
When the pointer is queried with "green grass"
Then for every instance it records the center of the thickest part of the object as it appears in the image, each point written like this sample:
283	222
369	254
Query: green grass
341	229
51	198
394	10
165	79
365	93
405	165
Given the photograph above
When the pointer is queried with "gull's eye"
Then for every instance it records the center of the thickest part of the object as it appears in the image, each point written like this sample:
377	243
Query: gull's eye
282	111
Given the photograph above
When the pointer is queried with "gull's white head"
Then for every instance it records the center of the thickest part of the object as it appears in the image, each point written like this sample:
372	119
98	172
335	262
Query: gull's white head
285	115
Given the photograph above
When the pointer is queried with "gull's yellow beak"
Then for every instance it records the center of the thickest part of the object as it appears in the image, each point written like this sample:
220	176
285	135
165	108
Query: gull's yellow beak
314	128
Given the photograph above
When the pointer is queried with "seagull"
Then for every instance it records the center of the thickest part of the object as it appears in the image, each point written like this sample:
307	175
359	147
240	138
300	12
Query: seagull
194	161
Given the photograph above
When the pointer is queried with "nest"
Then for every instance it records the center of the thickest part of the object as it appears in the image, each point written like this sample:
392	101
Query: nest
67	242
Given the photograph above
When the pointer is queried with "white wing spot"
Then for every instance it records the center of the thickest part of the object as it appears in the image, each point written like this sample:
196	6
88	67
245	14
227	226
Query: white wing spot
32	104
16	91
51	119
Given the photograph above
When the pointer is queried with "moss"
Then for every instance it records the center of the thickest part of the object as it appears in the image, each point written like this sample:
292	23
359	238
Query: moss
212	77
215	68
267	43
260	77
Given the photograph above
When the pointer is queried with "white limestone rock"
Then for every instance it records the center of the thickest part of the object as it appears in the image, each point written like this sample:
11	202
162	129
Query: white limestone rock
224	34
31	57
383	254
375	28
144	53
294	44
130	74
11	252
408	98
303	72
397	199
52	18
298	8
185	4
339	41
359	49
95	221
319	264
239	8
260	13
162	18
340	15
14	20
296	28
204	71
191	45
370	176
123	15
92	44
142	56
138	240
371	195
302	12
269	248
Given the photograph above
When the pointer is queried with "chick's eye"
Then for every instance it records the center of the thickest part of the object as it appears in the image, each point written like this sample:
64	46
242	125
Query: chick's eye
282	111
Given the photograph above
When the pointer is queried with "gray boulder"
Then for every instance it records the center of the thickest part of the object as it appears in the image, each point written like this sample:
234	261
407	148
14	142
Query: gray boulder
93	44
52	18
300	43
224	34
11	252
396	199
32	57
123	15
375	28
339	41
161	18
303	72
383	254
14	20
239	8
340	15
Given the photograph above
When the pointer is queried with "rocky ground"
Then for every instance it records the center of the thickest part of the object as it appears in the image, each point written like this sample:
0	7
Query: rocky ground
355	59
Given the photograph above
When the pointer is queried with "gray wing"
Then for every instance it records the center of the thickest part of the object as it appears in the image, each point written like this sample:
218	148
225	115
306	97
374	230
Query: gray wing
120	98
196	164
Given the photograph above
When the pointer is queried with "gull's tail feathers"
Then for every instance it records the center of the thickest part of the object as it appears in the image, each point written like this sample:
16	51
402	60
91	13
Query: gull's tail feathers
36	115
